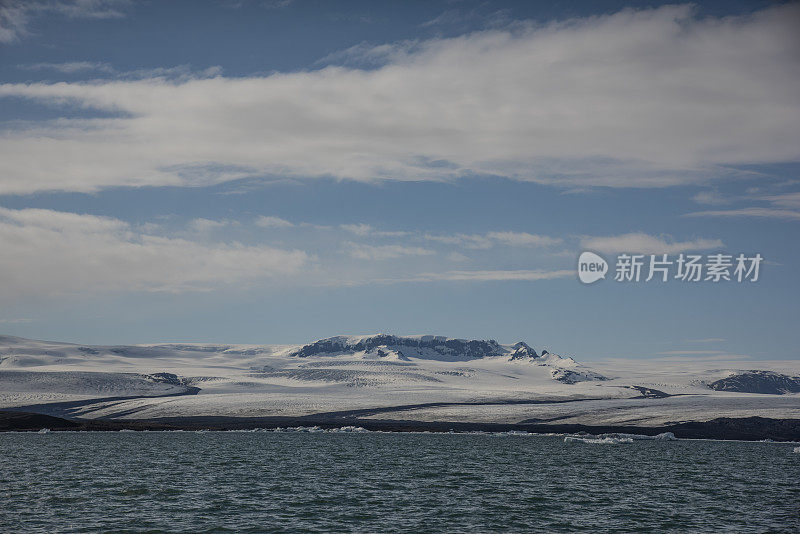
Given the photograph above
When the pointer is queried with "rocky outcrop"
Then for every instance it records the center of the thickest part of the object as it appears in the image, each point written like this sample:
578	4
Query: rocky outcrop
570	376
765	382
447	348
523	352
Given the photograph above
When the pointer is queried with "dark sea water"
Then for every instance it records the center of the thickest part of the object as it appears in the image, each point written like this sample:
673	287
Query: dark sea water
373	482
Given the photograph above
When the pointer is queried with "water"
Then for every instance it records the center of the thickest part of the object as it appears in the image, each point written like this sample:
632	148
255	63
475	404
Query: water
300	482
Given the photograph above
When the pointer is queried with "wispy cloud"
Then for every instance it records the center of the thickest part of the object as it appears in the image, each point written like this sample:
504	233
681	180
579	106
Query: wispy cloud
272	222
565	113
711	198
16	15
203	225
385	252
762	213
175	74
70	67
522	239
461	17
785	200
483	276
490	239
363	230
785	206
647	244
706	340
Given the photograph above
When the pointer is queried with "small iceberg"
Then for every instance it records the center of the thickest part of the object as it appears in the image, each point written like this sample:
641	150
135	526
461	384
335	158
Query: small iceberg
616	438
664	436
44	431
598	441
797	450
317	429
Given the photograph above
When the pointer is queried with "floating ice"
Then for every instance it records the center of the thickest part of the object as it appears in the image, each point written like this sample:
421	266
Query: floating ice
318	429
619	438
664	436
600	441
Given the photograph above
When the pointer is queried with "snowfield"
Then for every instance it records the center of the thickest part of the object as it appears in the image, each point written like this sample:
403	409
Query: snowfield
423	378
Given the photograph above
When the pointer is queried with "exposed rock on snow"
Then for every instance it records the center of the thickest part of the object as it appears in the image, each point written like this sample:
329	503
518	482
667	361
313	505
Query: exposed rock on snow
424	347
383	346
522	351
569	376
766	382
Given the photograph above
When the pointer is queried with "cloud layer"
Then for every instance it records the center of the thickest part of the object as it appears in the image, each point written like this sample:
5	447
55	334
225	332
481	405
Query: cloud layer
49	252
56	253
638	98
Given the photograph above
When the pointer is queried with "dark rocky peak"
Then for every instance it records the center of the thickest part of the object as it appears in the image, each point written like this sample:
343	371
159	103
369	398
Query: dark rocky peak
420	347
522	351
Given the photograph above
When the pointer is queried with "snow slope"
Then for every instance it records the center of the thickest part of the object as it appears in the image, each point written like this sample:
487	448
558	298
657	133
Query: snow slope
500	383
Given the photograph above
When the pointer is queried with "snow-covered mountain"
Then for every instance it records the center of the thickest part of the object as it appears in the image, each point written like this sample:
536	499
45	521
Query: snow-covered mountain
413	377
19	352
440	348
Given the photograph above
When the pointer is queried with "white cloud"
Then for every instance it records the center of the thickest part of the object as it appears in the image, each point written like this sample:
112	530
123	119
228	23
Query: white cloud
385	252
272	222
639	98
647	244
49	252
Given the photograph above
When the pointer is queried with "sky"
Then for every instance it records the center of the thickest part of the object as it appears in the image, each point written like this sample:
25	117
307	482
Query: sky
277	171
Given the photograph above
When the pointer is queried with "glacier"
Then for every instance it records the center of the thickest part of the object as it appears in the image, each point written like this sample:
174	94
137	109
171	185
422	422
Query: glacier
384	377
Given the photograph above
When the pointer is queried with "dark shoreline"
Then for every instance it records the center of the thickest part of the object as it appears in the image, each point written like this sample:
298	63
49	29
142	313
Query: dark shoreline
725	428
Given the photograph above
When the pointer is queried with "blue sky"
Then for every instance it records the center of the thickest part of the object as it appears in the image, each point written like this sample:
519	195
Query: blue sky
277	171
